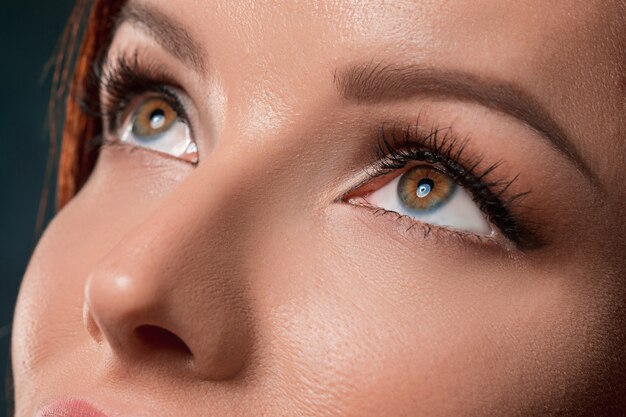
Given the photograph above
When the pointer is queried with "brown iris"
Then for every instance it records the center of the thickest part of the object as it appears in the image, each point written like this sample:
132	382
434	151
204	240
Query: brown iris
153	117
425	188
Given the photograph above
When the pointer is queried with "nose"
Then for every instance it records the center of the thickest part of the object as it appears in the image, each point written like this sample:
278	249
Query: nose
170	293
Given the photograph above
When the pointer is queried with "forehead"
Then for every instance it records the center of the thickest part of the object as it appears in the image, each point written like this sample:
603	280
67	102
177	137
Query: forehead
425	25
429	25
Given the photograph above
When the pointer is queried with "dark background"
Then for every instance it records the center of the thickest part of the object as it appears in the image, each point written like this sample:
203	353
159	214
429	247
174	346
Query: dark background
29	33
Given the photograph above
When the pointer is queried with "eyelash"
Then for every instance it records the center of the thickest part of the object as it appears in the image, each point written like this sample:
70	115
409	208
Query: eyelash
121	84
398	147
127	79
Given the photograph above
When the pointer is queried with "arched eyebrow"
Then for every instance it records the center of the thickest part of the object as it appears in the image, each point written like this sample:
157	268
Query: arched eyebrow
170	34
376	82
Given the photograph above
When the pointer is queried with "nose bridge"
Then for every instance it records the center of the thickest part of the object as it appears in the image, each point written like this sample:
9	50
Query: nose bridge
177	274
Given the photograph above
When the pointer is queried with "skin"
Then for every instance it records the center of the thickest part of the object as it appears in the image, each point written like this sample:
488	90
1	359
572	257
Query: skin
287	300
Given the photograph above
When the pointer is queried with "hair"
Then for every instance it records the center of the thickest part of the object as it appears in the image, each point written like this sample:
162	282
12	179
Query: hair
87	37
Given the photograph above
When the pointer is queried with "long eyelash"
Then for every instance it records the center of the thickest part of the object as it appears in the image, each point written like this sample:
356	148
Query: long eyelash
397	147
111	91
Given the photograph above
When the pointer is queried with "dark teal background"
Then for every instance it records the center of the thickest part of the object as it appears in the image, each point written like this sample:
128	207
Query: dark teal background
29	31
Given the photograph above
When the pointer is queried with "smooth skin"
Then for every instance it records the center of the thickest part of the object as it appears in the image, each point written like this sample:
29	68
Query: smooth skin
286	300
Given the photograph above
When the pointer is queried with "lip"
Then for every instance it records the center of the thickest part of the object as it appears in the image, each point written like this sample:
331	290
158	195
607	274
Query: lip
70	408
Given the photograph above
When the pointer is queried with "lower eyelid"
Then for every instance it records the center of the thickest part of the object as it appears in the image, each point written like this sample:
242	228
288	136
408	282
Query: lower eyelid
120	146
412	229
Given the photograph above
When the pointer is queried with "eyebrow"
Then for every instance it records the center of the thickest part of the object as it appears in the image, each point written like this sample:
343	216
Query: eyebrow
170	34
373	83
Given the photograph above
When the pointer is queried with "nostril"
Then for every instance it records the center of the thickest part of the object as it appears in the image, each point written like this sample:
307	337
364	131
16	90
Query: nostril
160	339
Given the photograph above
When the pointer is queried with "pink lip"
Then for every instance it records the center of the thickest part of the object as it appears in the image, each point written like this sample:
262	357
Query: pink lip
70	408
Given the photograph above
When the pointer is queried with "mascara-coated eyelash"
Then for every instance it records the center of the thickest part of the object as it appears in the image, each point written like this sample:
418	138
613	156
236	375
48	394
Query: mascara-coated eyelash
398	147
112	88
129	80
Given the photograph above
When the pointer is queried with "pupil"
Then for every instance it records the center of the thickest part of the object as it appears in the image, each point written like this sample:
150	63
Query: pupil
424	187
157	119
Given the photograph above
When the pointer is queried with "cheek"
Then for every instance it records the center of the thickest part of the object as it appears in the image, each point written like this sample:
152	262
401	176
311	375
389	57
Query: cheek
368	330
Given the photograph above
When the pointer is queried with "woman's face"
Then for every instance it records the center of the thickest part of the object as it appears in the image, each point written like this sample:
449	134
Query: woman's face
339	208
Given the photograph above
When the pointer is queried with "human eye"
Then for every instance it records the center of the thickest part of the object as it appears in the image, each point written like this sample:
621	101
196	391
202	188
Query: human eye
428	194
143	109
426	179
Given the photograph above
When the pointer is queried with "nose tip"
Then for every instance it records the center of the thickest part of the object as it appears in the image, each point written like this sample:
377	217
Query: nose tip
116	306
149	319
